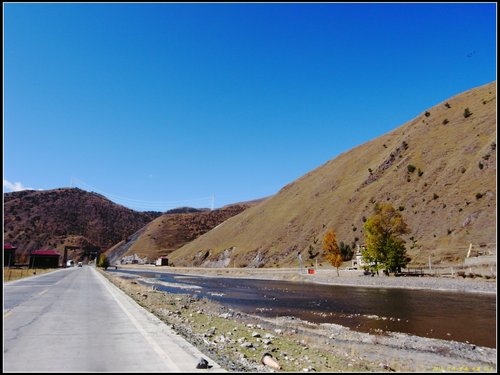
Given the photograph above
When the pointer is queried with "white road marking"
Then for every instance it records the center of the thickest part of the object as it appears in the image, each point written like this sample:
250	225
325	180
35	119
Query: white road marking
163	355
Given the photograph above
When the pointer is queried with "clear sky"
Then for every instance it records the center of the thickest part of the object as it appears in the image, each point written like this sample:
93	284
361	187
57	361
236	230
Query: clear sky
163	105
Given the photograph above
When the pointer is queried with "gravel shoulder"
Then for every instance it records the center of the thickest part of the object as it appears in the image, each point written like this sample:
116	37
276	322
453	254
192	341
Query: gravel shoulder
238	341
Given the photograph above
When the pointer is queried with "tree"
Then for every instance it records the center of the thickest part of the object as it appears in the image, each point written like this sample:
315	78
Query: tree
103	261
345	251
384	246
332	251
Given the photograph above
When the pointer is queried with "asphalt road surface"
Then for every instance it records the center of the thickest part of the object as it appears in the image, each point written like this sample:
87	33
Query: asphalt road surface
74	320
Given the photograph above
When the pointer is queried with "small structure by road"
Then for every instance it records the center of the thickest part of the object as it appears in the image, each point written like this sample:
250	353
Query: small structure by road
162	261
9	255
44	259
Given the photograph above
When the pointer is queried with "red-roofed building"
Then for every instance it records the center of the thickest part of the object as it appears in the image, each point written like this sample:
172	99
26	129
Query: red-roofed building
9	254
44	259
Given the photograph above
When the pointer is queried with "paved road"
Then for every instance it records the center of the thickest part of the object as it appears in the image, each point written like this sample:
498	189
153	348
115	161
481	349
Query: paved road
74	320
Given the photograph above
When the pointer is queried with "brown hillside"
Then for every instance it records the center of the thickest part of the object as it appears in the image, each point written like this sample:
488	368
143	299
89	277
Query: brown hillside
171	231
438	169
53	219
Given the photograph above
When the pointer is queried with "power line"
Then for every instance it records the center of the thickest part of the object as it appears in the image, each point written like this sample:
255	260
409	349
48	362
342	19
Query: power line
140	203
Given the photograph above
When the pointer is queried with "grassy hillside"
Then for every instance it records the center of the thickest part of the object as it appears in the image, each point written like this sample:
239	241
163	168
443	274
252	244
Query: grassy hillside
438	169
171	231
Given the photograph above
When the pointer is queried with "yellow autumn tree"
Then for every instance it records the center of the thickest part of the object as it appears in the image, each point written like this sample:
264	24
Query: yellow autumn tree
331	249
385	247
103	261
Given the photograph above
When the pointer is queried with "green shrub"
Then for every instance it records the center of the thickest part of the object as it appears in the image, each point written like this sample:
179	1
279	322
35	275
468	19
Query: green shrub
467	112
411	168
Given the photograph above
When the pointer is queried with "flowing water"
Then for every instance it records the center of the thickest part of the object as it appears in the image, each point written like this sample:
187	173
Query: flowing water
463	317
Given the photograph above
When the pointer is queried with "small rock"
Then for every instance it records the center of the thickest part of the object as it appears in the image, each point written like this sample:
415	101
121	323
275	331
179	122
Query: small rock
203	363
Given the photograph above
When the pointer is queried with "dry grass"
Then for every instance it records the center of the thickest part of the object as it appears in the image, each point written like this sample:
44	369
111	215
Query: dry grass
448	200
10	274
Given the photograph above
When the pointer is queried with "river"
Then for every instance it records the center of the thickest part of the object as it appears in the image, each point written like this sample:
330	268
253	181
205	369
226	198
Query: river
463	317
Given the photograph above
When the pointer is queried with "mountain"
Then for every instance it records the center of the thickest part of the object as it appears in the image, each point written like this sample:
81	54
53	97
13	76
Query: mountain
172	230
53	219
438	170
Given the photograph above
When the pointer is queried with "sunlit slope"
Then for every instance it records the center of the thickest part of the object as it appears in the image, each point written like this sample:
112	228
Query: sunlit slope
438	169
172	230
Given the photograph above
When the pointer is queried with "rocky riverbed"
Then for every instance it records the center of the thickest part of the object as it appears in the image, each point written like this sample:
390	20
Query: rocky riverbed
238	341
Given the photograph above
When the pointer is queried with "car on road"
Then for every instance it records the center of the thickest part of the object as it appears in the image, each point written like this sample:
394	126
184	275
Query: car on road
80	264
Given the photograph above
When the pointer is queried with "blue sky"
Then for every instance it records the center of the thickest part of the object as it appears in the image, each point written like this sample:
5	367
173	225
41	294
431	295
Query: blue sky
162	105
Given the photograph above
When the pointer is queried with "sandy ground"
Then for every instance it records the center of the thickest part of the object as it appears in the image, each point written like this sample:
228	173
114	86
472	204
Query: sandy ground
239	341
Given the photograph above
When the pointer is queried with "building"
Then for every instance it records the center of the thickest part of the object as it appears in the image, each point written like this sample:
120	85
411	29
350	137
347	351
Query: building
9	254
162	261
44	259
357	261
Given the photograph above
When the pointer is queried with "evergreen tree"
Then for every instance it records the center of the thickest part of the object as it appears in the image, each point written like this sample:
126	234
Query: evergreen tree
345	251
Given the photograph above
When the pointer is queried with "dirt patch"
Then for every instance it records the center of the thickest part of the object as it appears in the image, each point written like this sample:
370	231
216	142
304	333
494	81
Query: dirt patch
237	341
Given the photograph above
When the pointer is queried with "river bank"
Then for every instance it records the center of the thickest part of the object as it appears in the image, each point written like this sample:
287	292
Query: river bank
238	341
